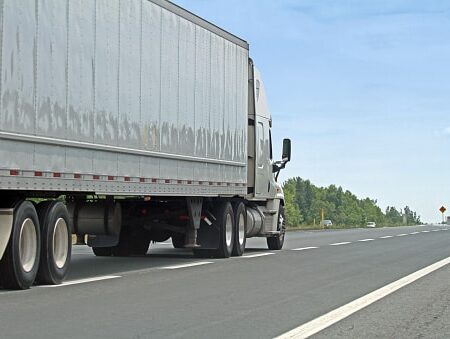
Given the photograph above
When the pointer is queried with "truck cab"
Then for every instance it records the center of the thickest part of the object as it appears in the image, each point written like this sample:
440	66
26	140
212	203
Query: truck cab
262	172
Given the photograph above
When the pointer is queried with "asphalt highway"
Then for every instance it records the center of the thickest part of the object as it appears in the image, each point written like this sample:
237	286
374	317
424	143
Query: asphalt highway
264	294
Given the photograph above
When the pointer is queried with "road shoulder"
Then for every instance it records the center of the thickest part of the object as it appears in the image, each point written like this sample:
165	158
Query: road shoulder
421	309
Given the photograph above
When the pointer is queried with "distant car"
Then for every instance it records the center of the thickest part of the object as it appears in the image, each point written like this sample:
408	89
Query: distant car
371	224
326	223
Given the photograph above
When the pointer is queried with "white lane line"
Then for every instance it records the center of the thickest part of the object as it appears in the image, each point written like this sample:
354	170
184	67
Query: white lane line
316	325
303	248
414	233
84	281
341	243
401	235
257	255
387	237
192	264
425	231
435	230
363	240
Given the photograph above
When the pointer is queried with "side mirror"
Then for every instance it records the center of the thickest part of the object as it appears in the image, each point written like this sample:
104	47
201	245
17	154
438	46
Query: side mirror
286	150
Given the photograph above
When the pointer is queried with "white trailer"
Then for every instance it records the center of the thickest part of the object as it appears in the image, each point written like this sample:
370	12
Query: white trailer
129	122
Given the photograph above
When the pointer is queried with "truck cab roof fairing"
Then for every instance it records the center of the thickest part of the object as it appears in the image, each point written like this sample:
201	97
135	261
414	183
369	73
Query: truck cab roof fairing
261	104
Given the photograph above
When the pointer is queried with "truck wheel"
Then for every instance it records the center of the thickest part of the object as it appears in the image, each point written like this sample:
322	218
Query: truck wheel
178	241
218	239
102	251
56	242
276	243
225	225
240	229
20	262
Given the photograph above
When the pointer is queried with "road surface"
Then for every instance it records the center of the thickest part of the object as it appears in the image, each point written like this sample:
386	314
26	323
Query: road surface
170	294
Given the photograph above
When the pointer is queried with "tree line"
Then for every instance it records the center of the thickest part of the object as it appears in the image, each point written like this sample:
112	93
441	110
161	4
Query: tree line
304	203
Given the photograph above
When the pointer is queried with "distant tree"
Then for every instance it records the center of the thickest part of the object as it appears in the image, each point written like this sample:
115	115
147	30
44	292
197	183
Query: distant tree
411	216
292	212
393	217
305	201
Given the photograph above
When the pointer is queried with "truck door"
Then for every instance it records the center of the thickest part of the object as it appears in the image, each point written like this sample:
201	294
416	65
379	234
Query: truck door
263	164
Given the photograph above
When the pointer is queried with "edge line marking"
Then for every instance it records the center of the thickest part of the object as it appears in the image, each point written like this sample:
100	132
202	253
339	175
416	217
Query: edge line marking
316	325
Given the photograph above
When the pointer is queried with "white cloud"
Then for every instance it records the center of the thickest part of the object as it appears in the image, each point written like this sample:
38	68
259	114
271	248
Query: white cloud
446	131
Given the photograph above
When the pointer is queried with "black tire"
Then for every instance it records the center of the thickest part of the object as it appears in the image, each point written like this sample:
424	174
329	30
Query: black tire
56	242
203	253
102	251
240	226
224	216
18	269
276	243
217	242
132	242
178	241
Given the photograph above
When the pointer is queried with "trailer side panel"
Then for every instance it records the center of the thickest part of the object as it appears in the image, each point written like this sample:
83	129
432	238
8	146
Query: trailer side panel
120	98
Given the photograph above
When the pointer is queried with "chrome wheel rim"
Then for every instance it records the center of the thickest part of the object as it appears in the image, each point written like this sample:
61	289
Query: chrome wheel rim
27	245
241	229
60	243
228	229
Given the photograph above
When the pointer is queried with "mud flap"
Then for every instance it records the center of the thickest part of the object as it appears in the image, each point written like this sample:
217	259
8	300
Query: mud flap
208	234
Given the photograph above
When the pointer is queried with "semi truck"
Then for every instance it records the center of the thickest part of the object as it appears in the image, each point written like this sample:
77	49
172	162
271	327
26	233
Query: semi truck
126	123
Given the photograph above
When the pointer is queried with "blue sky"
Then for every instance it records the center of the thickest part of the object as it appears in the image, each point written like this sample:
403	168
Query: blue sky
361	87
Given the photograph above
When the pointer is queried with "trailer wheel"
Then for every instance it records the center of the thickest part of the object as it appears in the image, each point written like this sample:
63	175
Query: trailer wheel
20	262
56	242
240	229
276	243
178	241
102	251
132	242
